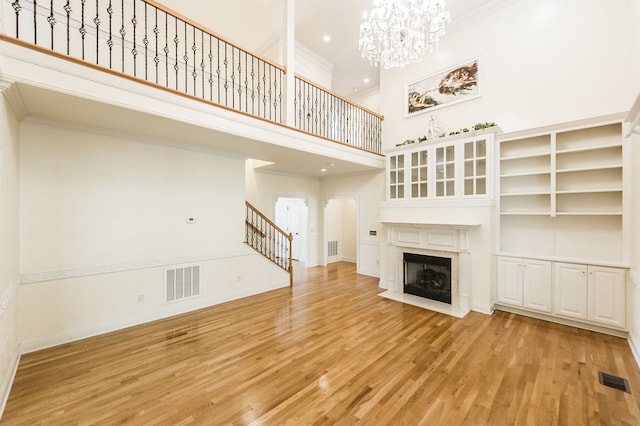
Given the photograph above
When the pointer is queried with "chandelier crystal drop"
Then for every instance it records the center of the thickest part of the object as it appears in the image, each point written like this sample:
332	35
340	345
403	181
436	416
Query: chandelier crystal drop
400	32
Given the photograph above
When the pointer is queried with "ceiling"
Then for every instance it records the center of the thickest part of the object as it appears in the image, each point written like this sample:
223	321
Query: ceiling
339	19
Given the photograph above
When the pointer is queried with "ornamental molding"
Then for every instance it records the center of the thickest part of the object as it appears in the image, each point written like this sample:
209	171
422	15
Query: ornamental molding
37	277
7	297
635	278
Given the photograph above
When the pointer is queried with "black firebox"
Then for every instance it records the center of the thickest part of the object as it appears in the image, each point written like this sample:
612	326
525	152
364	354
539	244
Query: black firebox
428	276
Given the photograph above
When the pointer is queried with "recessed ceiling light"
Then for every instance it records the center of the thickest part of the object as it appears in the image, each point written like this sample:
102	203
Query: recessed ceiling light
326	38
323	170
366	80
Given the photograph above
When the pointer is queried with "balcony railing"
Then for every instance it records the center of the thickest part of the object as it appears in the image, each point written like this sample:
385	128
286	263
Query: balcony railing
146	41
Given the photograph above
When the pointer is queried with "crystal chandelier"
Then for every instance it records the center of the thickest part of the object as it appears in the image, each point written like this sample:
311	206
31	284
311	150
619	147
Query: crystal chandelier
399	32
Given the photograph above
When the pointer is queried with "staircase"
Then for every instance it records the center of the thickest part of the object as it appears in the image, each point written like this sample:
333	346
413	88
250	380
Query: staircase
268	239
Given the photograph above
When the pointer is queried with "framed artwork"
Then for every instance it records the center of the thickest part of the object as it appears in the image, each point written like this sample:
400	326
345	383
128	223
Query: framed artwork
456	84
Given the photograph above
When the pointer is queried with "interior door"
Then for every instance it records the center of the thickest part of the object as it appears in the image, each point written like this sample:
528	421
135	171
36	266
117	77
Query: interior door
289	218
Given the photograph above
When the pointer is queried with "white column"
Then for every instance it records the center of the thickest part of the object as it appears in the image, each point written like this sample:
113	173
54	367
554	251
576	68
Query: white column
289	41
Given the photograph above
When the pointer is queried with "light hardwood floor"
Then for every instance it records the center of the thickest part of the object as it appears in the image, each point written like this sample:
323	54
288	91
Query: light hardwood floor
329	351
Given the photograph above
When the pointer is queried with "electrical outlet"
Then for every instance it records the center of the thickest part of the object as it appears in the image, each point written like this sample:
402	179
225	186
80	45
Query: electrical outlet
140	298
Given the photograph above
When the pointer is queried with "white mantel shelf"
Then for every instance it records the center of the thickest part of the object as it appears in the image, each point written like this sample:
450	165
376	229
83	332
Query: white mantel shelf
422	223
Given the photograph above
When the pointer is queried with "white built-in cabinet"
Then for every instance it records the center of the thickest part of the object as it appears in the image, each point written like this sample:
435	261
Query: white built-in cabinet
454	167
562	203
525	283
593	293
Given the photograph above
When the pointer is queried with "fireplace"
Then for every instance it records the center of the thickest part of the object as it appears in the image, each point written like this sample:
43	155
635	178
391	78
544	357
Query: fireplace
427	276
434	260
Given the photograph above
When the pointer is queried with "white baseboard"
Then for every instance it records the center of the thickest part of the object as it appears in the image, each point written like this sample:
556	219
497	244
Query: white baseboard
83	333
635	349
564	321
482	308
6	387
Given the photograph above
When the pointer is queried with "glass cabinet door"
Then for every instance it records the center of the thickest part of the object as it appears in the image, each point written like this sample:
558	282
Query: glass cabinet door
475	167
445	171
419	174
396	176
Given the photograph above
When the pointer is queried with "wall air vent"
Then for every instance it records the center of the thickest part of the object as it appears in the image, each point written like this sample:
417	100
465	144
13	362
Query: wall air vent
181	283
332	248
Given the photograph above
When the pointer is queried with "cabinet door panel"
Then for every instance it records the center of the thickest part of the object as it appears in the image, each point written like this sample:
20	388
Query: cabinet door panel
570	283
509	281
536	285
607	296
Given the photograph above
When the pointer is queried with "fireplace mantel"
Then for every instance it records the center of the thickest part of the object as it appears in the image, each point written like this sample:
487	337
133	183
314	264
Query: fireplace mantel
439	239
418	223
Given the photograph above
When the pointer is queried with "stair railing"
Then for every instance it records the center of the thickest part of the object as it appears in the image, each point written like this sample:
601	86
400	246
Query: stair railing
268	239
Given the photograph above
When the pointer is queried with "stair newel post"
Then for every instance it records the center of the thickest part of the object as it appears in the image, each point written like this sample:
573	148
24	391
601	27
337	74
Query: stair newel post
290	238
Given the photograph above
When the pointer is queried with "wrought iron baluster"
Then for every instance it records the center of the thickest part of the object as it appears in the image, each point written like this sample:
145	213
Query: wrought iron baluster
166	49
210	67
218	71
156	32
145	40
35	22
226	74
96	21
253	86
270	93
194	73
202	65
176	40
82	29
110	42
123	32
134	50
17	8
233	77
186	61
246	82
259	88
67	9
52	21
280	98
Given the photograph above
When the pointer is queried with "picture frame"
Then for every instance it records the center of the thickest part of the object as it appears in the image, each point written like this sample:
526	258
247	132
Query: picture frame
453	85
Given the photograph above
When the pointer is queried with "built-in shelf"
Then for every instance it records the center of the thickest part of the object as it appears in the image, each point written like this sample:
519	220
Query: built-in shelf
561	189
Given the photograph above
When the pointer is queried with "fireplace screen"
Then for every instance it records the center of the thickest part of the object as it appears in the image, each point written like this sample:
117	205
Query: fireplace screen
428	276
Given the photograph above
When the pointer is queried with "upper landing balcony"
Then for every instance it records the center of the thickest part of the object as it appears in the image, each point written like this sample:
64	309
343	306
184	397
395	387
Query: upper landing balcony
138	67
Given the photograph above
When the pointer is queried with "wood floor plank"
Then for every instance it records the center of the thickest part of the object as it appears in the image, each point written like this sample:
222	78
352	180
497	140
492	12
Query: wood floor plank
328	351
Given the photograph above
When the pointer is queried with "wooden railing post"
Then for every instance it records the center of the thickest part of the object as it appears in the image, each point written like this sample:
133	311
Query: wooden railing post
290	238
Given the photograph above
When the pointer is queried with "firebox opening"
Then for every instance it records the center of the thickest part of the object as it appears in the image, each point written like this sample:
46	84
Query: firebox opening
427	276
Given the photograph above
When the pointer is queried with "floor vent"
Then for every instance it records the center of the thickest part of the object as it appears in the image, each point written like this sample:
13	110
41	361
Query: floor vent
614	382
181	283
332	248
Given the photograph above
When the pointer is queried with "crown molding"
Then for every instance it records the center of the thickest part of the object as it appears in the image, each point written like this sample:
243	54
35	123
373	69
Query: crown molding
13	96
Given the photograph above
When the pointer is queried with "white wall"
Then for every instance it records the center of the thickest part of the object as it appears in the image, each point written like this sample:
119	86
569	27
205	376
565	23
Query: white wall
340	222
262	190
634	145
102	215
9	248
368	190
542	62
